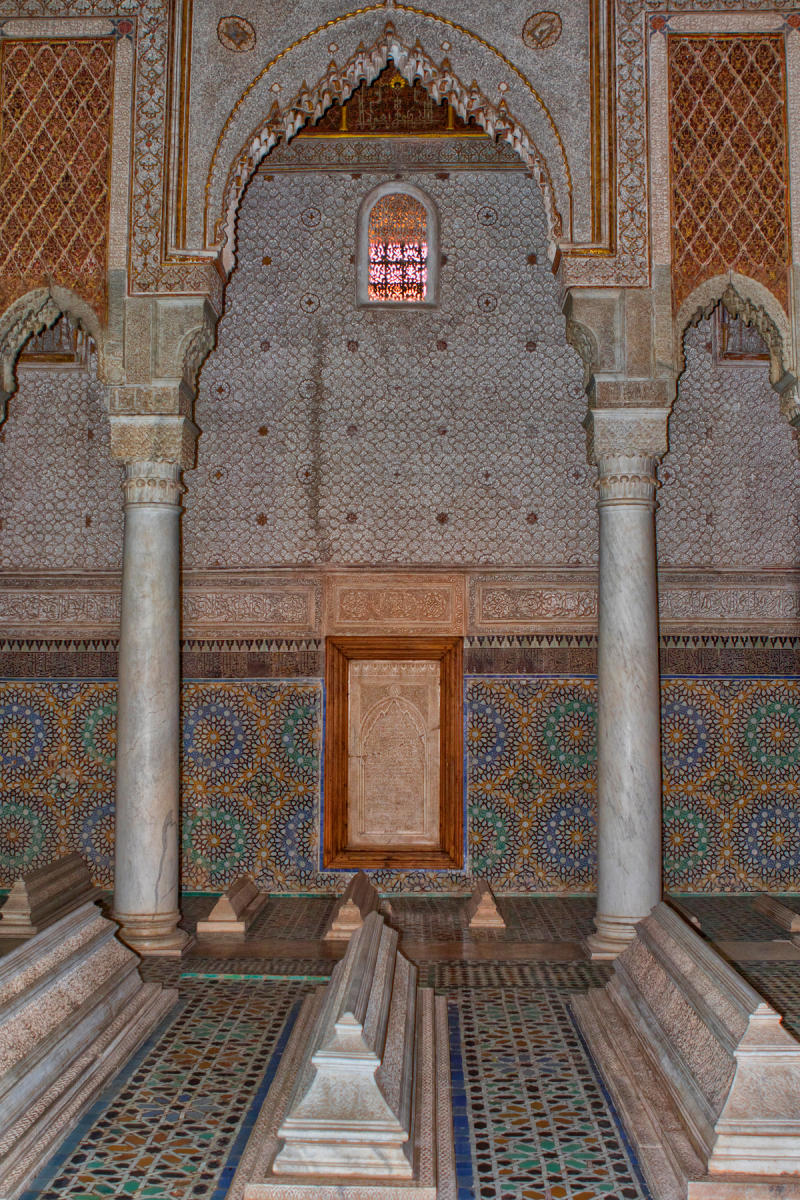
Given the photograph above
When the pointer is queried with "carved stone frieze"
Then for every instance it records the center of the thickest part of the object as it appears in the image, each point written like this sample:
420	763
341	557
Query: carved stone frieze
222	605
515	602
689	601
214	605
367	603
272	608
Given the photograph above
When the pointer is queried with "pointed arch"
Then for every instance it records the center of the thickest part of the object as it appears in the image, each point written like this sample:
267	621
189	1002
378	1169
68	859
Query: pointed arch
336	84
29	315
754	304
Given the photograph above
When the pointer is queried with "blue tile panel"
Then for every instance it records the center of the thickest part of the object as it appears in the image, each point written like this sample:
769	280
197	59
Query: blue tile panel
252	784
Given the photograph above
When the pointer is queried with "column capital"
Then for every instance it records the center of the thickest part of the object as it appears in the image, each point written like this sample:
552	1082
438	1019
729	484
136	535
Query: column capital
152	483
626	432
154	439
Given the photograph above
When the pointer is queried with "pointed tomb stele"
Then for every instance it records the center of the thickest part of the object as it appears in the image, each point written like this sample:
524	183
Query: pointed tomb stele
704	1075
235	911
351	909
482	909
45	895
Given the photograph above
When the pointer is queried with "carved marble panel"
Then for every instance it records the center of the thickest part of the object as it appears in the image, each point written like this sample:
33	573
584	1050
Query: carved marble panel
394	603
393	753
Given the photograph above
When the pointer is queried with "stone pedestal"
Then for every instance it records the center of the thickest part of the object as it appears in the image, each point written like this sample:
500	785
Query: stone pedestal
359	900
73	1009
706	1078
360	1107
44	896
234	912
628	700
148	722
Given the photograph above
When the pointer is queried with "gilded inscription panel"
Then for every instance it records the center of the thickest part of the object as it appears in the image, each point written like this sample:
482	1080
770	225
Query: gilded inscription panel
393	753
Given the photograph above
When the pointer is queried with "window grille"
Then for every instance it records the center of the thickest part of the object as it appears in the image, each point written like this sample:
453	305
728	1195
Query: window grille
398	249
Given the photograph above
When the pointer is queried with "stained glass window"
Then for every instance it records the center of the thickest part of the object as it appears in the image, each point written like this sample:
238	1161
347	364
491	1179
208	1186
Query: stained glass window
398	249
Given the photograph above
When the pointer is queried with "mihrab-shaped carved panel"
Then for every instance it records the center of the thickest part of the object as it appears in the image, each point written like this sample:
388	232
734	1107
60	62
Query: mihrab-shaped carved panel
393	753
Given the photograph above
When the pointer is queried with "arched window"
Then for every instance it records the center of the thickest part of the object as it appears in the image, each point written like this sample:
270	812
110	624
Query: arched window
398	247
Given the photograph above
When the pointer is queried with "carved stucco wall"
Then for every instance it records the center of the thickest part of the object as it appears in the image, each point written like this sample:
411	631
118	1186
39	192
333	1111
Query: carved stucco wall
332	434
60	493
731	480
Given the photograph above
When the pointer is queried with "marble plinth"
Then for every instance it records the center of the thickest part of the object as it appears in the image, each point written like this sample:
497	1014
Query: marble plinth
234	912
359	900
781	914
705	1076
45	895
482	909
360	1107
73	1008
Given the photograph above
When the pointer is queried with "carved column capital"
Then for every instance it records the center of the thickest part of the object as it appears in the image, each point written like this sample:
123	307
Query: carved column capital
152	483
158	438
626	432
627	479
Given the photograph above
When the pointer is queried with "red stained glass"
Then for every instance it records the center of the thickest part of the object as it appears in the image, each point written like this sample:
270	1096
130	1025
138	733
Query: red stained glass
398	249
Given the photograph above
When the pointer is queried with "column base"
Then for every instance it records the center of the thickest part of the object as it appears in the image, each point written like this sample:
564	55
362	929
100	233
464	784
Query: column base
612	935
153	935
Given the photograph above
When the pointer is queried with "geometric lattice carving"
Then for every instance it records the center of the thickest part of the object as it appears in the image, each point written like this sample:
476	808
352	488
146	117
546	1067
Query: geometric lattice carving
728	161
55	158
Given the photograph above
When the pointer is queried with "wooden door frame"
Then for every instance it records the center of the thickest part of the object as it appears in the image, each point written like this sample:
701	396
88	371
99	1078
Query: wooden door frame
339	652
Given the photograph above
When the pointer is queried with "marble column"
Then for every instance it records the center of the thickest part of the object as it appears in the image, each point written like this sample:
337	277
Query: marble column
629	863
146	879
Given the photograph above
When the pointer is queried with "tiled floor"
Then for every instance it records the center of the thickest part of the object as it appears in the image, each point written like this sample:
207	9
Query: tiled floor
532	1120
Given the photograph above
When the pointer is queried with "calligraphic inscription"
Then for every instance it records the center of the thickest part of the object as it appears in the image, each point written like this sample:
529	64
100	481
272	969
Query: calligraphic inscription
402	604
393	757
391	107
542	30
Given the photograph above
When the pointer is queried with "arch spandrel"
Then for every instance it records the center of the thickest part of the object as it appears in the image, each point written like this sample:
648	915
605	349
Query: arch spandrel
520	116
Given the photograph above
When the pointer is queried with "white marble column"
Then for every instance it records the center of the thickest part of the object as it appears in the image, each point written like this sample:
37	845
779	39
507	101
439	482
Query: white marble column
629	863
146	879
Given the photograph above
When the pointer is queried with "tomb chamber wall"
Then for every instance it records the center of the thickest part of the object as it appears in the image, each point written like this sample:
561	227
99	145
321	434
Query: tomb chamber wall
342	443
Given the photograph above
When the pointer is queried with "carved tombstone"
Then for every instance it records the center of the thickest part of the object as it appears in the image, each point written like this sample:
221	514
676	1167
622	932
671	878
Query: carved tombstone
45	895
482	909
360	1106
358	901
73	1008
704	1074
235	911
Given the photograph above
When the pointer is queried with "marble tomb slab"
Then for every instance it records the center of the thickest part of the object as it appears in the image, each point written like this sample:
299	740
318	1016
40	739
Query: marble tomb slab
360	1106
706	1078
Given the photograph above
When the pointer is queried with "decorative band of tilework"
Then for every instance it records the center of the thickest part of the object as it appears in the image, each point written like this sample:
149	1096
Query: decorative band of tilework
251	783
